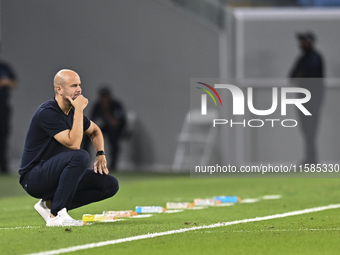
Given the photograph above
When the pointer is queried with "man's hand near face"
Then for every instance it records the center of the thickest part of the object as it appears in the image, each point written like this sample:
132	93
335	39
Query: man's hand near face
79	103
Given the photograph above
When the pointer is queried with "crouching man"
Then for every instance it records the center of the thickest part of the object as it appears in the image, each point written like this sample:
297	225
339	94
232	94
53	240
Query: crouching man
53	167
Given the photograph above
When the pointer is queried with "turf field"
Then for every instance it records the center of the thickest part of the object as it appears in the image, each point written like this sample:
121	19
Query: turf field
308	233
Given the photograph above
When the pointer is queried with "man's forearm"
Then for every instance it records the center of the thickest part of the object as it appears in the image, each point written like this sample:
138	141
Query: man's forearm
97	139
76	133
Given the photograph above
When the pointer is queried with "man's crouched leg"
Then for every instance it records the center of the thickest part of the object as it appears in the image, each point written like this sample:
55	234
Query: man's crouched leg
94	187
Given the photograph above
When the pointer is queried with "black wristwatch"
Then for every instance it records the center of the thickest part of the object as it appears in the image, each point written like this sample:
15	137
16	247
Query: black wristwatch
100	153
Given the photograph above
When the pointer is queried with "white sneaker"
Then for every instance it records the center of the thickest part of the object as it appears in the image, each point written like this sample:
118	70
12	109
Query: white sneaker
42	209
63	219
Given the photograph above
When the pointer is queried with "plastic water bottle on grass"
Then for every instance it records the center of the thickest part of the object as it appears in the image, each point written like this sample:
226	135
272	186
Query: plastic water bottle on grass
228	199
119	214
150	209
180	205
206	202
98	217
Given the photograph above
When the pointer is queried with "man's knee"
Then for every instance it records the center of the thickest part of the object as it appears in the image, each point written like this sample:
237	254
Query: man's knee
82	157
112	186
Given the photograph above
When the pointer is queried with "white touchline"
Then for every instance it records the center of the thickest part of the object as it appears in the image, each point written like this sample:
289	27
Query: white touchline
250	200
271	197
20	227
27	207
176	231
278	230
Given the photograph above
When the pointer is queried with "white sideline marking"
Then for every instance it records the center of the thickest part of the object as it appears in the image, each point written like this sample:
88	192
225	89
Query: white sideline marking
225	204
18	208
250	200
120	219
271	197
289	230
173	211
277	230
170	232
142	216
20	227
197	208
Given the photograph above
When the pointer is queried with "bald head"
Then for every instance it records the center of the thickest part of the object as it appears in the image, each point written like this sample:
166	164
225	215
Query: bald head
67	84
64	76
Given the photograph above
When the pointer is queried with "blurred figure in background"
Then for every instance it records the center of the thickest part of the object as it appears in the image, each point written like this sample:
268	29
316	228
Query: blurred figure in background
111	118
7	82
308	72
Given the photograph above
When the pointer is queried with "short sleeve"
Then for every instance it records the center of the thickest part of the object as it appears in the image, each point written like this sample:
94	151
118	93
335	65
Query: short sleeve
86	123
51	122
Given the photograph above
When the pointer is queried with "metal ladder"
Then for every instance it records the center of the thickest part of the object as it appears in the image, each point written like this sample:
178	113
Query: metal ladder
197	134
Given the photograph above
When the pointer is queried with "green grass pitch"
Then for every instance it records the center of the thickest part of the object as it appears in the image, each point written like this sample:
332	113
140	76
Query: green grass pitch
312	233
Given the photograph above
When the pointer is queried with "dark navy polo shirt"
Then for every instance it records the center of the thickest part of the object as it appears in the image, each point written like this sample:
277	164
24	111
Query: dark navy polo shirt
47	121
